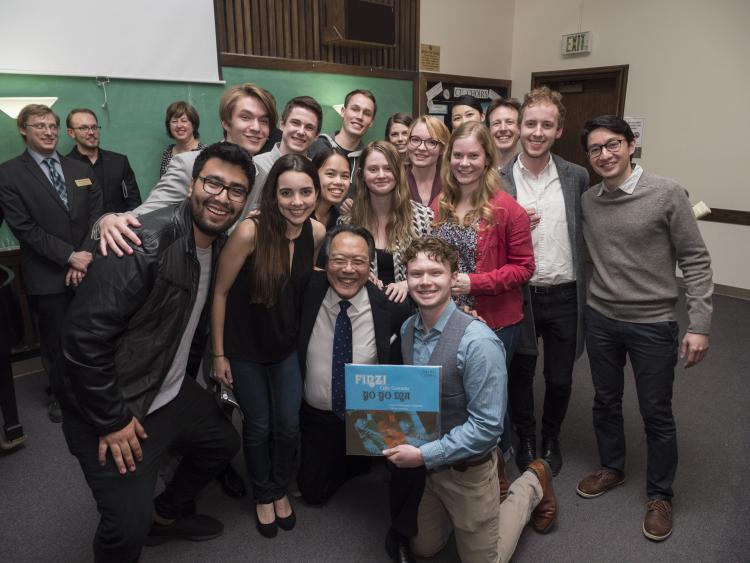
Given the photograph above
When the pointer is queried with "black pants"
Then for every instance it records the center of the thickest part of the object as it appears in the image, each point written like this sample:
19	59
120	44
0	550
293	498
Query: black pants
193	425
50	312
324	467
11	425
652	349
556	321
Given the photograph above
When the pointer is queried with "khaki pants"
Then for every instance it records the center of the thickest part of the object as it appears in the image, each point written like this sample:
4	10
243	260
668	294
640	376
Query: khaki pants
467	503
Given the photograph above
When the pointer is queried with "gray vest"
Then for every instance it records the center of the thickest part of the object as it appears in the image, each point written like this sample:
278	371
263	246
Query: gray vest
452	395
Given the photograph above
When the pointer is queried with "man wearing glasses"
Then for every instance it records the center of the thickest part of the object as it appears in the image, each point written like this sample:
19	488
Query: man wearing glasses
50	202
638	228
112	169
133	339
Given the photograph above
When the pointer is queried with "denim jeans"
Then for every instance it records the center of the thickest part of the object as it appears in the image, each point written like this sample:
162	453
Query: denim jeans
509	336
652	348
270	396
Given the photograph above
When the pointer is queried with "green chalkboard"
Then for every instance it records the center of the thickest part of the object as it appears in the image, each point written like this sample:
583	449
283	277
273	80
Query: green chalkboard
133	119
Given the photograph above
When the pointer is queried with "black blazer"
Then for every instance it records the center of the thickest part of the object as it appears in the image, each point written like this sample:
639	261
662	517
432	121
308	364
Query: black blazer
387	317
116	178
48	233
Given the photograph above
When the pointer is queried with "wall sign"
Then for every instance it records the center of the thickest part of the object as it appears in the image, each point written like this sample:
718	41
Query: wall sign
576	43
429	57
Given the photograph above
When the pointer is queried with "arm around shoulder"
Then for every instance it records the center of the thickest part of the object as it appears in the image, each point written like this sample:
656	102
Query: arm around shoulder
172	187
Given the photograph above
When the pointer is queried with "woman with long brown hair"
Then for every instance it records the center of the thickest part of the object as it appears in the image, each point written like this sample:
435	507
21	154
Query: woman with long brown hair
490	230
262	273
383	206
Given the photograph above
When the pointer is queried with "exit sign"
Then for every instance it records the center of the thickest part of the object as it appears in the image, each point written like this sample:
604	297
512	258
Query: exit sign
575	43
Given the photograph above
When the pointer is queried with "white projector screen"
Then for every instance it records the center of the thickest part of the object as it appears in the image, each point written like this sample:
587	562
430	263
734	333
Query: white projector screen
137	39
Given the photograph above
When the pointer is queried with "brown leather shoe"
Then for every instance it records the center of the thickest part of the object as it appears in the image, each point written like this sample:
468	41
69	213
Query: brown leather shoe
546	511
657	525
501	476
598	483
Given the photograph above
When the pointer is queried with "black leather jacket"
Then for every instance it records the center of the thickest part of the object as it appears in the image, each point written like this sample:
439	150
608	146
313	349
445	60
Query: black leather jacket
123	328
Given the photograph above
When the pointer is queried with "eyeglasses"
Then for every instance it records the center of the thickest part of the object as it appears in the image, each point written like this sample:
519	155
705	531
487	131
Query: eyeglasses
416	142
611	146
214	187
43	127
357	263
87	128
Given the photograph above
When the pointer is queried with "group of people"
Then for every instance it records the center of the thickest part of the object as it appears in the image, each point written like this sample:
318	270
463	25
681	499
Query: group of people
431	247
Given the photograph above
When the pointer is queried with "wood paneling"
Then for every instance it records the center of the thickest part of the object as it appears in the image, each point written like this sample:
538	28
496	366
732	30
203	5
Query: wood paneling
728	216
293	29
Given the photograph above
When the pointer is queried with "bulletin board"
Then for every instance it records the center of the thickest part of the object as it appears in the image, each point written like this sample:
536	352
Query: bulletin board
439	92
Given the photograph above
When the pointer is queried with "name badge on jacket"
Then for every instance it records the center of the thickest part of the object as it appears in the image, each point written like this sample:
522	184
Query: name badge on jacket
83	182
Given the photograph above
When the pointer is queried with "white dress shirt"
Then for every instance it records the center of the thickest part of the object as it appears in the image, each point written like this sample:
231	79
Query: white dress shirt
628	186
552	252
320	348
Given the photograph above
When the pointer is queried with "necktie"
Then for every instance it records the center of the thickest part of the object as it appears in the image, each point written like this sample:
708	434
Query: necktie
342	354
57	181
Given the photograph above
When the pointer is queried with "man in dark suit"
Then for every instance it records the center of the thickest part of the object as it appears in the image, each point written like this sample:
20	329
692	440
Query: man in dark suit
50	203
112	169
344	296
550	189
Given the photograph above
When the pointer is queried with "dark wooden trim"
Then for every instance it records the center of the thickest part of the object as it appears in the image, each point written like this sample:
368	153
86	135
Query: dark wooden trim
219	26
273	63
728	216
619	72
453	79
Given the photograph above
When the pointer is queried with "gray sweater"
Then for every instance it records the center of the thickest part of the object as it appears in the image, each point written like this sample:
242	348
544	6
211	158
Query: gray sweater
635	241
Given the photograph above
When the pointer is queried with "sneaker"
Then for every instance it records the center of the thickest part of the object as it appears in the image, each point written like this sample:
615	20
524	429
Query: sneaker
197	527
657	525
596	484
12	444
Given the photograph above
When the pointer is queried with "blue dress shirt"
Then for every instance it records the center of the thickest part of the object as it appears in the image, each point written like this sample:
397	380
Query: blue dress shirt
481	363
39	159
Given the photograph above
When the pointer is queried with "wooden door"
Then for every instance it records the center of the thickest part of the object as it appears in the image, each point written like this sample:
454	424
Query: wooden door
587	93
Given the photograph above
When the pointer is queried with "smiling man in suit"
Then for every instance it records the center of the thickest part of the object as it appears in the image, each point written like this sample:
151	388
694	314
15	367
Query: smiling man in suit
550	189
50	203
341	305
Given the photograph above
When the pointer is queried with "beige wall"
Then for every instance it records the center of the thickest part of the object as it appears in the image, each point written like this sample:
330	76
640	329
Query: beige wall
475	36
688	78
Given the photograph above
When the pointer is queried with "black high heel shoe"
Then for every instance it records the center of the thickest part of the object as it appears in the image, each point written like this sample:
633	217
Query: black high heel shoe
266	530
286	523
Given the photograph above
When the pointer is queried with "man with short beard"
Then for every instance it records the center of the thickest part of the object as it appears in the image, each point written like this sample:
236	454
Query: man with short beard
137	326
112	169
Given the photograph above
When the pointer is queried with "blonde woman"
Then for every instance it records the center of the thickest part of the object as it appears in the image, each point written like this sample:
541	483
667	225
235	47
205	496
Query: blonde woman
383	206
490	230
428	137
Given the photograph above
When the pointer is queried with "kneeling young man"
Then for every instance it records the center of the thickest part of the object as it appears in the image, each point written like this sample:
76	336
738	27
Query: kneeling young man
137	325
462	494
